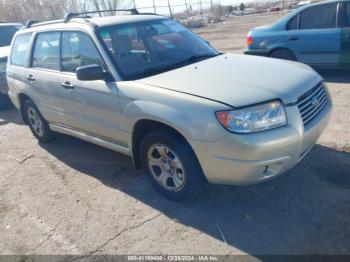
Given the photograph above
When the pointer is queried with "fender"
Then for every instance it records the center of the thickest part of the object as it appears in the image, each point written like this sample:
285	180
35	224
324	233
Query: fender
148	110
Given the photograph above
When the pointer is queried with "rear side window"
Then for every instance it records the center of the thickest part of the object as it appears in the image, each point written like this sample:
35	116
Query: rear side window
78	50
19	49
47	51
319	17
293	23
7	33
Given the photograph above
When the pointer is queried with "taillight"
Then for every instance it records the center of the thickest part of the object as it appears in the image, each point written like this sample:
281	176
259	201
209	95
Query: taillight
249	40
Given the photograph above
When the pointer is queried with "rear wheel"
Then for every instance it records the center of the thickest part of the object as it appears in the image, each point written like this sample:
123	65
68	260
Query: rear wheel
38	125
283	54
171	166
5	102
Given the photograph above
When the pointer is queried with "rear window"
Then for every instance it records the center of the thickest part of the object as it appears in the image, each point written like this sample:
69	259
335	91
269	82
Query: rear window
293	23
19	49
319	17
7	33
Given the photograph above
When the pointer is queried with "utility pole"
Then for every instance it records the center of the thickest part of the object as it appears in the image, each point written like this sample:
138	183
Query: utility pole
171	13
212	7
154	7
201	8
188	13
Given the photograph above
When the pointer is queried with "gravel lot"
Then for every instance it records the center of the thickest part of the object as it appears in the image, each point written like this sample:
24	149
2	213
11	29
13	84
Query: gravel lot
71	197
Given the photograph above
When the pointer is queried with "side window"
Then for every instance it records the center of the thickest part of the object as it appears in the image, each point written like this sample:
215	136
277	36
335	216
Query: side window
19	49
78	50
346	22
319	17
47	51
293	23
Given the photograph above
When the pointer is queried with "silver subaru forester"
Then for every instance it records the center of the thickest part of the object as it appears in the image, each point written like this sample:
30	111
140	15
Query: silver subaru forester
145	86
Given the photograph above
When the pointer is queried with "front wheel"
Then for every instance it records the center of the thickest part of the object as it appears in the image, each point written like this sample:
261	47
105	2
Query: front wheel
171	166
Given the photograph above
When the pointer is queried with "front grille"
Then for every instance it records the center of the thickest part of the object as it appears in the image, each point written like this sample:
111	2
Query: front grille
311	103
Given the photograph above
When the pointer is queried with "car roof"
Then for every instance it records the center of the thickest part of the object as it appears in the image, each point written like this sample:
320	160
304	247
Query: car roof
121	19
80	22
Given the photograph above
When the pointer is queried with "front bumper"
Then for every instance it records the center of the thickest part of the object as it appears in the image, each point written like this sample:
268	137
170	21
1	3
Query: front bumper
240	159
258	52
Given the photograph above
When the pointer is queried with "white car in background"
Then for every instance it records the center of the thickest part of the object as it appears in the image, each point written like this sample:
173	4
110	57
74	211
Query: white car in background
7	31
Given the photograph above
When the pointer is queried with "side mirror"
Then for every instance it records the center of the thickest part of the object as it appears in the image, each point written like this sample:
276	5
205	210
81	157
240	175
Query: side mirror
91	73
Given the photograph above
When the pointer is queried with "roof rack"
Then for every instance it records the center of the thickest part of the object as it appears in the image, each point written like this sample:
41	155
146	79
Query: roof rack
69	16
30	23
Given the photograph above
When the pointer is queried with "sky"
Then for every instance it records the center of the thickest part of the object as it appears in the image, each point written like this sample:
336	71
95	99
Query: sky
175	3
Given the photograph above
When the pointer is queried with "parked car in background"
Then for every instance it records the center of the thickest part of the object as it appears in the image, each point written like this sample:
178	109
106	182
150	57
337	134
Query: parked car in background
316	34
146	86
7	31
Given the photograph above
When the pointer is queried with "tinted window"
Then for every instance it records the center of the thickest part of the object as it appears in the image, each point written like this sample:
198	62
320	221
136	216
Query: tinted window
78	50
47	51
293	24
319	17
346	19
7	33
19	49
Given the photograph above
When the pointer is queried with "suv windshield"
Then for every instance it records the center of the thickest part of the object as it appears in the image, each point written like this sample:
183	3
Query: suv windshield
148	48
7	33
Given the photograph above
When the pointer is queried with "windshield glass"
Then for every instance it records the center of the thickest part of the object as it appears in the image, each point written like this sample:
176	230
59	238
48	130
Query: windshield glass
7	33
148	48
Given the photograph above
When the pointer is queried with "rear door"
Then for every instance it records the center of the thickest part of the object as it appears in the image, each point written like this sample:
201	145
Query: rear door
43	75
17	66
319	36
90	106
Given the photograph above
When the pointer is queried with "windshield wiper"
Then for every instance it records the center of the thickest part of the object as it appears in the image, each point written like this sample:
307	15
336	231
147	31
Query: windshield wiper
158	70
196	58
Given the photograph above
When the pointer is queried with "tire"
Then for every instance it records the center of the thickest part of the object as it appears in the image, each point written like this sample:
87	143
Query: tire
179	177
37	124
5	102
283	54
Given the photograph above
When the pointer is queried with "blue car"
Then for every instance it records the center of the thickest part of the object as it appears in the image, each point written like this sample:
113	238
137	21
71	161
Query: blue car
316	34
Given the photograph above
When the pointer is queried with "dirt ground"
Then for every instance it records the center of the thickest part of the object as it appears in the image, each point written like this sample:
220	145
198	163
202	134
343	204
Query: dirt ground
71	197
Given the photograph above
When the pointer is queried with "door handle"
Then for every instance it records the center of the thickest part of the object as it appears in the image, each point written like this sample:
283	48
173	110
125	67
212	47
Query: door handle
30	77
67	85
293	38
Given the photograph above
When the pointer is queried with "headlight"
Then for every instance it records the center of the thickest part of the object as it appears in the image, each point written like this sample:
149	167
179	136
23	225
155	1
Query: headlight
253	119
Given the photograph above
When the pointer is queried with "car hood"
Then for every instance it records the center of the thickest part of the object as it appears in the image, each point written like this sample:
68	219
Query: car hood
239	80
4	51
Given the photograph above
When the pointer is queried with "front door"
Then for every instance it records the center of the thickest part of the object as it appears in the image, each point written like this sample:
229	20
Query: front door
319	35
90	106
